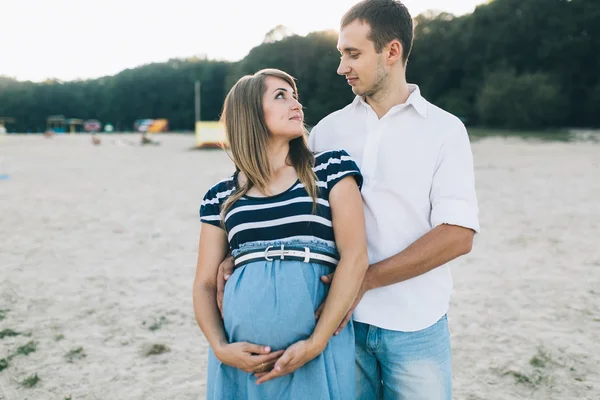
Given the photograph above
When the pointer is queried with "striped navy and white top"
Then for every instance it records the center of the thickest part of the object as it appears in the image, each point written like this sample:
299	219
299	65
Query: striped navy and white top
285	217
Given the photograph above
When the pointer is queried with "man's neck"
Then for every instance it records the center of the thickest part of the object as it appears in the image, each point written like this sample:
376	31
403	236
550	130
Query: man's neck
391	95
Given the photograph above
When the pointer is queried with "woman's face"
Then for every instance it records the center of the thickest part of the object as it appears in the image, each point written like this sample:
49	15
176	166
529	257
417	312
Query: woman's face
283	112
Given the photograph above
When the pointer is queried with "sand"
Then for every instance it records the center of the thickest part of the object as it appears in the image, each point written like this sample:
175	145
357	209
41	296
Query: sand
98	248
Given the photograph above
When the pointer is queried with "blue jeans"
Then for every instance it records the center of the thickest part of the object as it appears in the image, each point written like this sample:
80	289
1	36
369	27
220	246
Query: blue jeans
403	365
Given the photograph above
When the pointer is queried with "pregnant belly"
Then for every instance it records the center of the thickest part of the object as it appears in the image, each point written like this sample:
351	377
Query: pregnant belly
273	303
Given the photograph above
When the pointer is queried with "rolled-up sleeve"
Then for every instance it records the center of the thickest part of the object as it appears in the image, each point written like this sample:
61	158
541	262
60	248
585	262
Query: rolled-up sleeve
453	197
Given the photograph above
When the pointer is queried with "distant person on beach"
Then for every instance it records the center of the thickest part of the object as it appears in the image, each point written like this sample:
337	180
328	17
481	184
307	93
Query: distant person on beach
144	140
420	207
288	217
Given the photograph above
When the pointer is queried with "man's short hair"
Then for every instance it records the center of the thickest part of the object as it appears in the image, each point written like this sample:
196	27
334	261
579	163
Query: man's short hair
388	19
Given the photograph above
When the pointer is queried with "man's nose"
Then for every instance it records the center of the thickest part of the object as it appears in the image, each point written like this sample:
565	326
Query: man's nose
343	68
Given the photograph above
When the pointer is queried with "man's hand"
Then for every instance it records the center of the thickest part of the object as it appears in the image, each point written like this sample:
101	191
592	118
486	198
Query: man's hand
327	279
224	272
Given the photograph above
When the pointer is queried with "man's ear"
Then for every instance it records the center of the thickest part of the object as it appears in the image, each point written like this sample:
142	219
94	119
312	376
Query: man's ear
394	52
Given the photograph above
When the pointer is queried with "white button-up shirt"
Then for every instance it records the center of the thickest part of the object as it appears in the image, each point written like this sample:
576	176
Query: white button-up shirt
417	167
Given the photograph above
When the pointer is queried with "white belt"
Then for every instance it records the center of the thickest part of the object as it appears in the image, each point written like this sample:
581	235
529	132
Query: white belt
268	255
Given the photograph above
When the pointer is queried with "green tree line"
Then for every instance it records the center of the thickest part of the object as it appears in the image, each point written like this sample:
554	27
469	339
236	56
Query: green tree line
511	64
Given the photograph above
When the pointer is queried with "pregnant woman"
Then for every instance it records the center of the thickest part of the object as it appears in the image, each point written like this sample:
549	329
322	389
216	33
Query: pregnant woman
288	217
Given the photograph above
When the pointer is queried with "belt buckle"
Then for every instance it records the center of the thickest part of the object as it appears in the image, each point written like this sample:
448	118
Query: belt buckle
267	253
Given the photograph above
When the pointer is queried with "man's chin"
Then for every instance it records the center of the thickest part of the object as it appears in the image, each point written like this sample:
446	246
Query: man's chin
357	91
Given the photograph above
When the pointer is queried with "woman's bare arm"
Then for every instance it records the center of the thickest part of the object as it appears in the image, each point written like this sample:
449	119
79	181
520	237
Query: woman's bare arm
248	357
350	237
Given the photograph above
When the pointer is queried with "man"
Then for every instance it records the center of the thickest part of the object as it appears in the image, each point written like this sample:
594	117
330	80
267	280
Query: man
420	207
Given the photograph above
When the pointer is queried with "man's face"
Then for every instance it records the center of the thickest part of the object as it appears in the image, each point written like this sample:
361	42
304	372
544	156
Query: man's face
362	66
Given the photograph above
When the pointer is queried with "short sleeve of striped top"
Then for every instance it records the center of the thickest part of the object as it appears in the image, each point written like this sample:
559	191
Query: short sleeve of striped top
285	216
210	208
333	166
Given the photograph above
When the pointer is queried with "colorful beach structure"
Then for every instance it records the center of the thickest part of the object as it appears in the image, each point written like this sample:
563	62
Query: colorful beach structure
60	124
210	134
151	125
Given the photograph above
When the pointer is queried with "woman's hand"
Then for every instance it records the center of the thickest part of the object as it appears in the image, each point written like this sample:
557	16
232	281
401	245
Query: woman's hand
293	358
248	357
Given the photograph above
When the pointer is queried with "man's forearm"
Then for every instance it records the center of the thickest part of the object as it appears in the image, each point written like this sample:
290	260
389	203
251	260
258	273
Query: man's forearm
438	246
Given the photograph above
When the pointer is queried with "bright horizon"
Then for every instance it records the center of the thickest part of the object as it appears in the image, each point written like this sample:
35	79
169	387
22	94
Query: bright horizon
69	40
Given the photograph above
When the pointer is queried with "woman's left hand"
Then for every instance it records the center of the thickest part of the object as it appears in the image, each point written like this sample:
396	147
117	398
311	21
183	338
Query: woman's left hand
293	358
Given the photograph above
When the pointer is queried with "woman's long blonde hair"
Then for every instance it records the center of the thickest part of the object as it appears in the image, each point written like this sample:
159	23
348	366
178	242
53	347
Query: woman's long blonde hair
248	137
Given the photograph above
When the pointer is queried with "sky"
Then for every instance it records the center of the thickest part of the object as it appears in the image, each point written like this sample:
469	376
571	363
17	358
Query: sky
82	39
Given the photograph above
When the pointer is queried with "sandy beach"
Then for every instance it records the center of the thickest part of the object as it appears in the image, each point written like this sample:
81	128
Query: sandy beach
98	249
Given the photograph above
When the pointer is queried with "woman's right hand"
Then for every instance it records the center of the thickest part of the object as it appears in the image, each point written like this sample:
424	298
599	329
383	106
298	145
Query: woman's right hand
248	357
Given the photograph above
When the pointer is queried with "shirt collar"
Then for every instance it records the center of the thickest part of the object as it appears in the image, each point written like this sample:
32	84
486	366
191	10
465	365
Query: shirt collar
414	98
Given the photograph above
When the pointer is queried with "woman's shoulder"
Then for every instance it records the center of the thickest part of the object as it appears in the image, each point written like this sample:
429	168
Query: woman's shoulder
221	189
333	165
329	156
332	159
